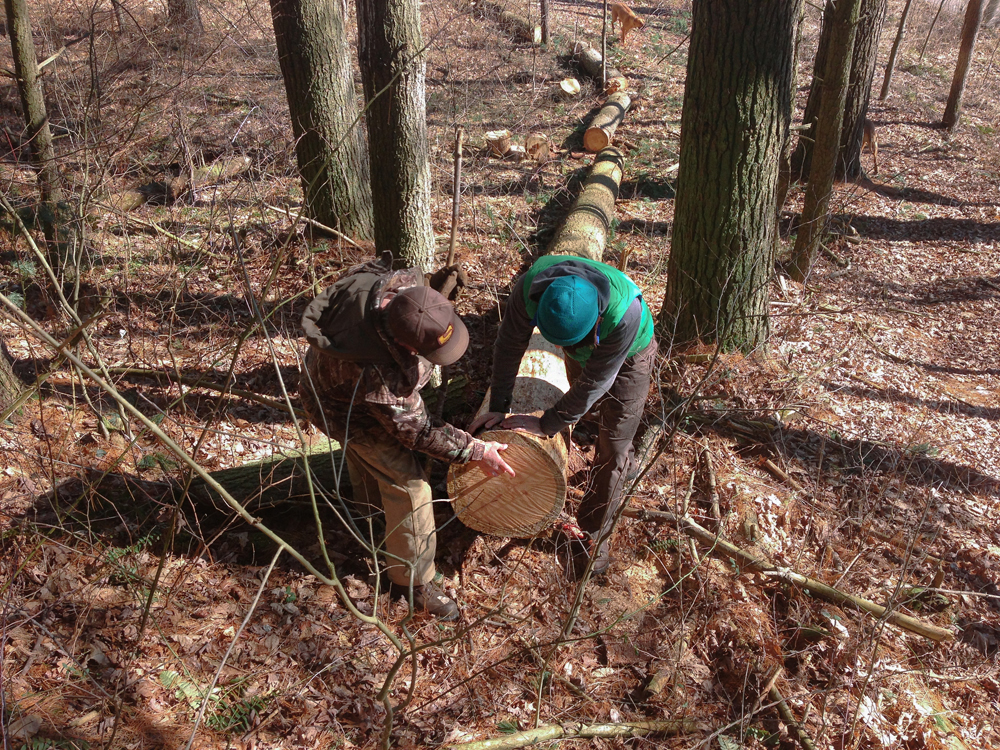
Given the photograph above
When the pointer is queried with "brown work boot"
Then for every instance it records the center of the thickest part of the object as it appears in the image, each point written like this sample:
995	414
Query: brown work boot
428	598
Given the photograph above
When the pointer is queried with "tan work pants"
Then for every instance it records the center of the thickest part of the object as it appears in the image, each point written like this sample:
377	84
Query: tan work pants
386	475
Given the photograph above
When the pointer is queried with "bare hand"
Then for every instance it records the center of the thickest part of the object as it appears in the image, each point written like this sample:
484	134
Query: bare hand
491	463
485	421
525	423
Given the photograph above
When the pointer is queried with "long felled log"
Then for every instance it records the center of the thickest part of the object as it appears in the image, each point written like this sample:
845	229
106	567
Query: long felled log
523	505
585	230
549	732
521	29
602	128
590	61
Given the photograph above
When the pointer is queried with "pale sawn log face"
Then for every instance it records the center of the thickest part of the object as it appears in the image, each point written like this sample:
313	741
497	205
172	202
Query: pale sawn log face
523	505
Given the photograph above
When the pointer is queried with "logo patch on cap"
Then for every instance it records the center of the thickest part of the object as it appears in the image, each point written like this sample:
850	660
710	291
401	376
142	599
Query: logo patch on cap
443	338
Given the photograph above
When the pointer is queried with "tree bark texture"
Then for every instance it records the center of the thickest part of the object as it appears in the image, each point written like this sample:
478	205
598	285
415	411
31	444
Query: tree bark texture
828	131
330	145
890	65
184	14
29	87
393	65
970	30
9	384
864	58
602	128
733	126
585	229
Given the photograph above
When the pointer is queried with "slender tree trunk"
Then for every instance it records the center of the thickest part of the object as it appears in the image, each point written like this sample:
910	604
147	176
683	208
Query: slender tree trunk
828	127
330	144
390	50
184	14
864	58
890	66
970	30
545	21
9	384
735	120
29	86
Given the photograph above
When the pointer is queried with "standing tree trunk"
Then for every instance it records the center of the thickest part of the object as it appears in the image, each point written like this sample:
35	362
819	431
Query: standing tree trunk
544	21
970	30
390	50
329	143
29	86
733	126
890	66
828	127
864	57
184	14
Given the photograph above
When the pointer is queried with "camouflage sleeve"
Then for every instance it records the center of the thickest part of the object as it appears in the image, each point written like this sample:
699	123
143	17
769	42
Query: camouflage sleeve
407	420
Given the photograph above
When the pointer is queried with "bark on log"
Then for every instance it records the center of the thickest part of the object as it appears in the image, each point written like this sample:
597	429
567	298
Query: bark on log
590	61
602	129
585	230
720	547
167	191
547	733
525	504
521	29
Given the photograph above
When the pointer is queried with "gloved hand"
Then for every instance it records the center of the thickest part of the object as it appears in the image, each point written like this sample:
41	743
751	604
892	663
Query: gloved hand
491	462
448	281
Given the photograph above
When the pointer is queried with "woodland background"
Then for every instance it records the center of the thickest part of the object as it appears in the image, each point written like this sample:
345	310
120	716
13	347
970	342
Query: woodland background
859	446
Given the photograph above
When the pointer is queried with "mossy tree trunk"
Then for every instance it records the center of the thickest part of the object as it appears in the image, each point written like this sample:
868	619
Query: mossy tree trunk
733	127
390	50
863	60
329	143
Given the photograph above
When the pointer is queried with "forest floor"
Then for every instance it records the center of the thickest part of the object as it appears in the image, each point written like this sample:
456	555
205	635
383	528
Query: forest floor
860	448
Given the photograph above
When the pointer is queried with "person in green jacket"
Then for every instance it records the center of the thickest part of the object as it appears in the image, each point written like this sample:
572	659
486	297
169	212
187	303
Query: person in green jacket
598	316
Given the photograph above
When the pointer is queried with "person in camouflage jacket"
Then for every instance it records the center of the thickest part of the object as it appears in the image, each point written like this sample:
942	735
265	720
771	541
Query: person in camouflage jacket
374	337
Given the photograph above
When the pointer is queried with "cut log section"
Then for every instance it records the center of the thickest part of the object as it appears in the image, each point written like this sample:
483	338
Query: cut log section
523	505
521	29
590	61
498	142
602	129
585	230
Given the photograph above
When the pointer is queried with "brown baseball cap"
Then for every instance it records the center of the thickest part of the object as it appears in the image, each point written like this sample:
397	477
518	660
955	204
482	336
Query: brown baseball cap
427	322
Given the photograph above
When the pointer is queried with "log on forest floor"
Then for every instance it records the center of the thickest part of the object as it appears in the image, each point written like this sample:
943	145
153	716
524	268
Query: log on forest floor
167	191
585	229
602	128
520	28
591	62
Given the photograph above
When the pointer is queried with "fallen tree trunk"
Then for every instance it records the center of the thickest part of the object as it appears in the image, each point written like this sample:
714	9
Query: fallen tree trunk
167	191
521	29
590	61
602	129
585	230
525	504
546	733
721	548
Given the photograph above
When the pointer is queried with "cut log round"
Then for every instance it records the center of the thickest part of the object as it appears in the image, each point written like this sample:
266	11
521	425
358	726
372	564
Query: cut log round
585	230
525	504
602	129
499	142
537	147
520	28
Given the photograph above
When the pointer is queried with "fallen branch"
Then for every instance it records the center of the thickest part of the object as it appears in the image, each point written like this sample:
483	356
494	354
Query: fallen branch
549	732
721	548
789	718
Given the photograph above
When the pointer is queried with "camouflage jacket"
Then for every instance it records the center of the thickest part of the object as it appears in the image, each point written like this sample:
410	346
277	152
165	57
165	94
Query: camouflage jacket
345	397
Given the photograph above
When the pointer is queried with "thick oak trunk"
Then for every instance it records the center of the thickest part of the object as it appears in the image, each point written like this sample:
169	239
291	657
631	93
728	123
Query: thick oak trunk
602	128
329	144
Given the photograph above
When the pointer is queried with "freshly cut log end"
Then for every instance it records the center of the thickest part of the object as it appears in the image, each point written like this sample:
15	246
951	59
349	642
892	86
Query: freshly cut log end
602	129
520	506
568	88
498	142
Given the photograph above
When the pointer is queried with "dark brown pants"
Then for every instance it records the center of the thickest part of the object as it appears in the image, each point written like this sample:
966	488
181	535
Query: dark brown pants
620	413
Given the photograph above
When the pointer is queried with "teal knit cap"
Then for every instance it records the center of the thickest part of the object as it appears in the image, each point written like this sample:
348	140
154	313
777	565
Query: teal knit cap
568	310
